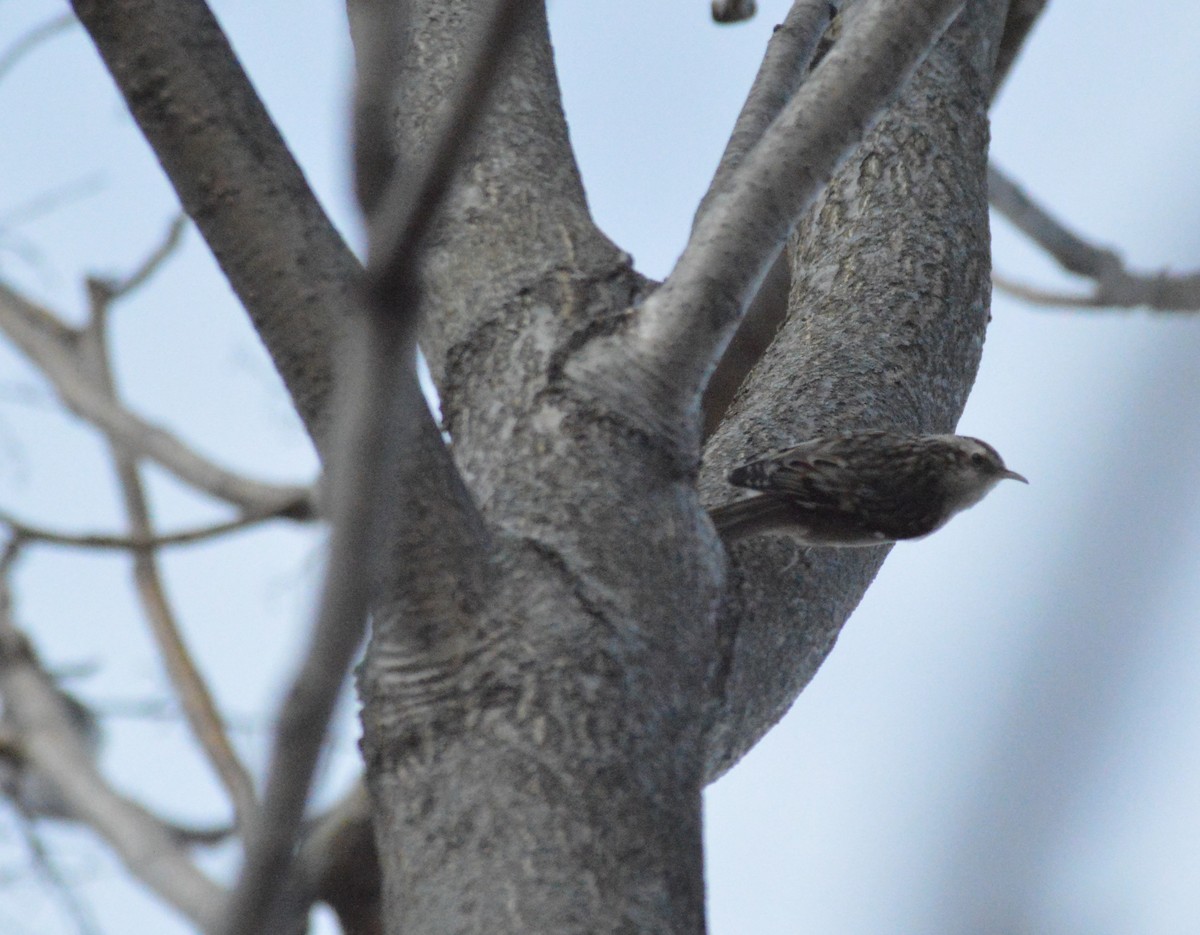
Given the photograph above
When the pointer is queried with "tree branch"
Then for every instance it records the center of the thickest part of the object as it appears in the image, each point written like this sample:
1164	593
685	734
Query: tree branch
684	326
75	908
1114	285
51	747
33	533
54	349
172	238
198	110
785	64
788	57
199	709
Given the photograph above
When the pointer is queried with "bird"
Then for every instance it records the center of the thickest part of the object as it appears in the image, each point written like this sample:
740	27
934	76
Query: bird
861	488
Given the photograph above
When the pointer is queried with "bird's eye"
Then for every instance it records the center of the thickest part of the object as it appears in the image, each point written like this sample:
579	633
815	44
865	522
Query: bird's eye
978	459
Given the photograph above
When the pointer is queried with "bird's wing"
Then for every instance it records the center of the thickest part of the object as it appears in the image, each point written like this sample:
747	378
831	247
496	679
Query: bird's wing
801	475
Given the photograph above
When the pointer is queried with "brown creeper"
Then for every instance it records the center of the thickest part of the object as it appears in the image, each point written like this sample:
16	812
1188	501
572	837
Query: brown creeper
863	488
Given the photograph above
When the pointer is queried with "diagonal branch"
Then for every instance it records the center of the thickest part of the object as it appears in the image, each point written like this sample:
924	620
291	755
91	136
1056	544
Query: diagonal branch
684	327
1114	286
54	349
73	905
198	111
153	262
50	746
785	64
787	60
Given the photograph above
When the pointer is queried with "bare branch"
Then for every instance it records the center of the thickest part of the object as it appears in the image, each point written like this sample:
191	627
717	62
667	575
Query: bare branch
31	40
50	746
784	66
199	708
197	109
172	238
45	202
54	349
75	908
1114	285
683	328
300	511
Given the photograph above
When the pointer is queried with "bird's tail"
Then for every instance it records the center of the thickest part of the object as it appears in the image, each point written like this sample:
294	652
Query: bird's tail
747	517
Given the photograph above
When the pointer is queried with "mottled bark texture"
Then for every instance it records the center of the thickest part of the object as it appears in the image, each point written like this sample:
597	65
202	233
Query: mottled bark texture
889	304
541	773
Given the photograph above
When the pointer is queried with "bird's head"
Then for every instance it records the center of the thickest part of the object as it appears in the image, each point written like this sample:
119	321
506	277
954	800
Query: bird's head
975	468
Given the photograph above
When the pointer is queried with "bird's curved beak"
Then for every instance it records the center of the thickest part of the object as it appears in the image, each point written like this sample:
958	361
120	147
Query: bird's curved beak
1013	475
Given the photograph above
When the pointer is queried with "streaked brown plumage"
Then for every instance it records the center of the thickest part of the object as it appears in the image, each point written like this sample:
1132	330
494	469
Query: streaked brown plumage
861	488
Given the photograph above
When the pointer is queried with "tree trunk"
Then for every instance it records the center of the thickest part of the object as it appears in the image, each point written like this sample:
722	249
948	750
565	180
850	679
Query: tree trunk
541	770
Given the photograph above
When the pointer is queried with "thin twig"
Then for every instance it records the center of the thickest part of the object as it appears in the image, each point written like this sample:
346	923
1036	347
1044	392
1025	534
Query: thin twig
31	40
1035	296
48	201
300	511
198	706
1114	286
199	709
153	262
